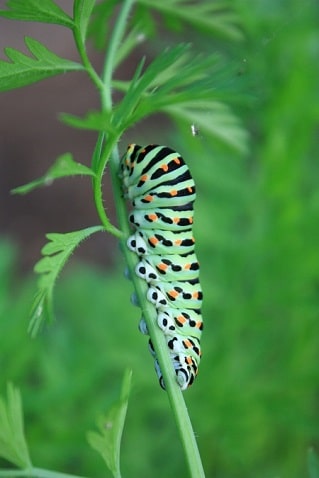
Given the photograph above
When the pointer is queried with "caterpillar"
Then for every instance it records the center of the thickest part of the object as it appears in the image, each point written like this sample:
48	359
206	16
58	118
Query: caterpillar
161	189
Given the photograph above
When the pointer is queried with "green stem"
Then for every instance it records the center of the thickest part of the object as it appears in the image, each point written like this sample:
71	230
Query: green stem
106	99
103	154
175	395
85	59
110	59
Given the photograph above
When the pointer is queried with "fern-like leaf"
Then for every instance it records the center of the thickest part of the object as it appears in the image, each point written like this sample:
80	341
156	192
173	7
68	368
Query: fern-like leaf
216	17
82	13
23	70
213	118
56	253
13	446
107	440
63	166
36	11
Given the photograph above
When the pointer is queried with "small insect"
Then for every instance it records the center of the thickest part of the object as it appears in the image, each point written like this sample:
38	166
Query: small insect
194	130
162	191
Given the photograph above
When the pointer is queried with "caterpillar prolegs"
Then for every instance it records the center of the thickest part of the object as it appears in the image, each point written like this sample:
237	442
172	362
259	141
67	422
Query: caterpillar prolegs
162	191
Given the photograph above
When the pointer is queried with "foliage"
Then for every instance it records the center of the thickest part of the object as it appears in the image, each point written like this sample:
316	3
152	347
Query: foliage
56	253
13	445
108	441
256	225
22	70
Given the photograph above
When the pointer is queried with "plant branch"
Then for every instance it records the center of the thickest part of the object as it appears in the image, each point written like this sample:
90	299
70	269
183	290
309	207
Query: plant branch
106	100
110	58
110	150
85	59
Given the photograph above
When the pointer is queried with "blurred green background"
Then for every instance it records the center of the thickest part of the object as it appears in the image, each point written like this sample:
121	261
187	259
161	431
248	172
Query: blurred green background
255	404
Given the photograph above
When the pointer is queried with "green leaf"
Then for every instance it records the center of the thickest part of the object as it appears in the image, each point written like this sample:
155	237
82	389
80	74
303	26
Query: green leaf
216	17
97	153
107	441
23	70
94	120
132	39
185	87
64	166
98	30
56	253
82	14
313	464
13	446
38	11
100	21
213	118
142	82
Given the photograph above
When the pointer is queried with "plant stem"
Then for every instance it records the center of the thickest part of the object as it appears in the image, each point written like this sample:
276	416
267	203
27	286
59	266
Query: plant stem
106	100
103	154
86	61
175	395
115	40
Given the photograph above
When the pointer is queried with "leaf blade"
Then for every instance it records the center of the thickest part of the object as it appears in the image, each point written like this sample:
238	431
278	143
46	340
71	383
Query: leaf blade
24	70
218	17
45	11
13	446
214	118
64	166
107	441
93	120
82	14
55	255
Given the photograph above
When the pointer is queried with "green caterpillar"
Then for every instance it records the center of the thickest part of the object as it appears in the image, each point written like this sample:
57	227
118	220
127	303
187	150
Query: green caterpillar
162	191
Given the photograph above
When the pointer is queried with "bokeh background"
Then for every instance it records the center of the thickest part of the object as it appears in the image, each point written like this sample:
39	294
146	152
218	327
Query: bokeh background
255	405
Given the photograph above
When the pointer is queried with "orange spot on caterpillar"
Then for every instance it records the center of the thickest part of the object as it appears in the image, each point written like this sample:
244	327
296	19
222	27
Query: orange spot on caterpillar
189	360
176	220
177	160
153	240
144	178
187	266
195	295
164	167
162	267
178	242
173	192
152	217
173	293
181	319
148	198
187	343
190	189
